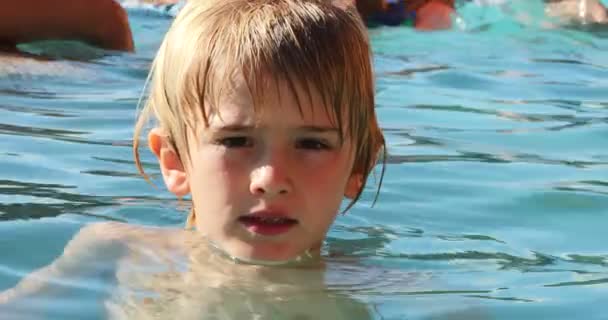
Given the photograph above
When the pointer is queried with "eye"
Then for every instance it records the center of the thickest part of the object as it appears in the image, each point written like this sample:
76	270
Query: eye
235	142
312	144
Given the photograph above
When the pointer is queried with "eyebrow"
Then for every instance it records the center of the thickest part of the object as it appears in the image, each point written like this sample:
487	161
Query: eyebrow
238	127
233	127
319	129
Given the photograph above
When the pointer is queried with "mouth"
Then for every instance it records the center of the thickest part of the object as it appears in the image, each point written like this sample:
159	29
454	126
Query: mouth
267	224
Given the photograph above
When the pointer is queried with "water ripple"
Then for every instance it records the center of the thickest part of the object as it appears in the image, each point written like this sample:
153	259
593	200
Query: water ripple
37	111
38	132
567	61
68	202
467	156
579	283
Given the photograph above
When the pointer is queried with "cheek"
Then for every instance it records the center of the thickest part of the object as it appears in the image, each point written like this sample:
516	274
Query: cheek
213	170
326	173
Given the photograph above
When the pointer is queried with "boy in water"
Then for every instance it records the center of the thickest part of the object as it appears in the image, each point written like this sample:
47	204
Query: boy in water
268	123
265	116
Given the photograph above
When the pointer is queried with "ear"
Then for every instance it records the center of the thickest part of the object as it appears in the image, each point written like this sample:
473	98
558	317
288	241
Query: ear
353	185
171	166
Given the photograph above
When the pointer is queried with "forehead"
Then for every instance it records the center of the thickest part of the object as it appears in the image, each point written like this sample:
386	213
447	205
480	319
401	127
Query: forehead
268	97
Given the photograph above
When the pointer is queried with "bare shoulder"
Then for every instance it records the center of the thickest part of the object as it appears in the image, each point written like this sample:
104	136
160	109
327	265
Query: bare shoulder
95	248
111	233
99	234
84	250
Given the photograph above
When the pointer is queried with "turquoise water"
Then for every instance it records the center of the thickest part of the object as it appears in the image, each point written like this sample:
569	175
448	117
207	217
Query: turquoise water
495	201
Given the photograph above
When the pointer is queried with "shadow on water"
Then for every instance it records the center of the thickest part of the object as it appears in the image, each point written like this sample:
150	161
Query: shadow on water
579	283
413	71
29	93
466	156
111	173
375	243
131	163
567	61
56	134
539	262
591	186
36	111
56	200
67	202
6	128
571	120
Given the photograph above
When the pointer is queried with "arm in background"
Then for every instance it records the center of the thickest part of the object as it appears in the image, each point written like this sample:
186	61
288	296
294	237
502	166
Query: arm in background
435	15
101	23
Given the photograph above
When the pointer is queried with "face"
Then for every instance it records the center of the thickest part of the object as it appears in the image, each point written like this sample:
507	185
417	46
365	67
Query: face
266	186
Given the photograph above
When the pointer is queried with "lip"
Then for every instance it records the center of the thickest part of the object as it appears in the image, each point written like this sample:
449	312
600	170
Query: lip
269	213
267	222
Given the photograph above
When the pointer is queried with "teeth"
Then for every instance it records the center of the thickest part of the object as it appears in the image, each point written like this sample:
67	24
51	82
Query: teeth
272	219
269	220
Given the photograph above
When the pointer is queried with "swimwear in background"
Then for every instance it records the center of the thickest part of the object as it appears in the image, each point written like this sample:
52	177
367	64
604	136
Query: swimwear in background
394	13
398	12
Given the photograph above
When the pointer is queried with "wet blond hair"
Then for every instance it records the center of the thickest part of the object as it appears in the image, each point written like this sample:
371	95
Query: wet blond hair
320	45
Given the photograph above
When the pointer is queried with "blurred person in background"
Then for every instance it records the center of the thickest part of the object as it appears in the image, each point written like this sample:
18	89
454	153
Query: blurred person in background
104	23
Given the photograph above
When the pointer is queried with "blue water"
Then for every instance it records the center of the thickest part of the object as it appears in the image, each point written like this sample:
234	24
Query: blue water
495	201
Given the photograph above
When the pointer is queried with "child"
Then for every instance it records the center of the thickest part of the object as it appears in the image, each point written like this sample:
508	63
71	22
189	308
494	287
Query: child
265	116
101	23
266	145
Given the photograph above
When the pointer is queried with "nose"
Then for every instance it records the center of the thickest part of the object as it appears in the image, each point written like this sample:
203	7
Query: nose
270	179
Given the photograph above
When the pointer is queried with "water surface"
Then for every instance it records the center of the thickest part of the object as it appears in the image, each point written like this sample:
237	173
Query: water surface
495	201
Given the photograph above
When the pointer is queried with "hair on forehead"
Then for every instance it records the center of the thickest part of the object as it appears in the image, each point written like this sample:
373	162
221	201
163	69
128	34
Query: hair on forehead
314	46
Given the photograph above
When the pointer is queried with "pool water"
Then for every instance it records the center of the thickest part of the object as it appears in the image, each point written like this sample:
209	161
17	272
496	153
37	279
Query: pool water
495	199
